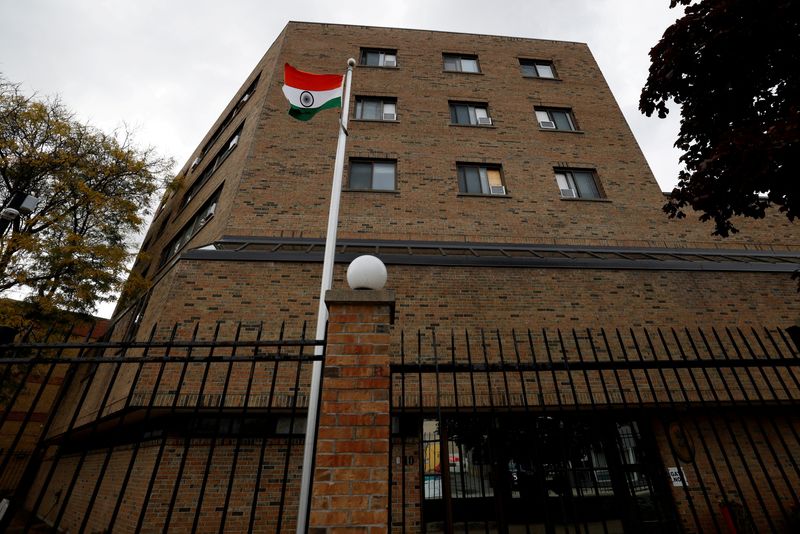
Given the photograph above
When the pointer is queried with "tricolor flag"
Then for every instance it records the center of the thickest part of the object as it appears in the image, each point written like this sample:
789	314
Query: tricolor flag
309	93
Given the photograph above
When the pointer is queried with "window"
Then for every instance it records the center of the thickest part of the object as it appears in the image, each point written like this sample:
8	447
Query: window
480	180
376	109
228	119
555	119
575	183
212	166
373	57
372	175
199	219
460	63
532	68
469	114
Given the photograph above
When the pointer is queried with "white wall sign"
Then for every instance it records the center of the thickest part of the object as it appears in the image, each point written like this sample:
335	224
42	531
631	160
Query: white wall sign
677	476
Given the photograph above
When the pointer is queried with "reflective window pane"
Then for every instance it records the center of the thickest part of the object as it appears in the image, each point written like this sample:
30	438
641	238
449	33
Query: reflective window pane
360	175
584	181
469	65
561	118
545	71
473	180
383	176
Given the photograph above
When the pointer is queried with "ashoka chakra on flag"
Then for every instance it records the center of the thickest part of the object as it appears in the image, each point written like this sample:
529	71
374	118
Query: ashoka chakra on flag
309	93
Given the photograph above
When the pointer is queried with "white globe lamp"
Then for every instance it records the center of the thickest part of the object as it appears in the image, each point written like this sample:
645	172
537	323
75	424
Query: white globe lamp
366	272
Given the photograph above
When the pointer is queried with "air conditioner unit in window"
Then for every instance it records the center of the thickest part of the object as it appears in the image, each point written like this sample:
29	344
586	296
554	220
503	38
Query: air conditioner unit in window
389	117
234	142
196	162
550	125
485	121
568	193
497	190
245	98
206	217
389	63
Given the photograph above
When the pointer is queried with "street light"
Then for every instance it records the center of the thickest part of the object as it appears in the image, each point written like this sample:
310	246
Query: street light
20	204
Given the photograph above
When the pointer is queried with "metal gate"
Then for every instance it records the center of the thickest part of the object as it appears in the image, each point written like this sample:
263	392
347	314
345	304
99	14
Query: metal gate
182	433
596	431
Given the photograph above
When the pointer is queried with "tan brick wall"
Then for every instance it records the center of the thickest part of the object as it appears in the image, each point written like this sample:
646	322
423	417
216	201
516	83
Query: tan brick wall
238	513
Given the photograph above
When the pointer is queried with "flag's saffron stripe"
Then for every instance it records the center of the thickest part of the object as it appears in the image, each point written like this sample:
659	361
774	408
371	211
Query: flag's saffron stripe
305	114
310	82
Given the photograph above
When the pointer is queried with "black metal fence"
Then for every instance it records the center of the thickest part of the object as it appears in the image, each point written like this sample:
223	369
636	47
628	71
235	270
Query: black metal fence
200	430
597	431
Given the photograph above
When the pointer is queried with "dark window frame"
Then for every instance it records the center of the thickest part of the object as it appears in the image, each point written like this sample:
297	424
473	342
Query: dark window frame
460	57
246	96
536	64
364	55
372	162
198	221
464	186
551	117
211	168
359	102
575	187
454	116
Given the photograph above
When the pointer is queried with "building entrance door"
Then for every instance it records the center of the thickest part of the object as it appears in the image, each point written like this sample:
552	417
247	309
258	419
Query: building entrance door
543	474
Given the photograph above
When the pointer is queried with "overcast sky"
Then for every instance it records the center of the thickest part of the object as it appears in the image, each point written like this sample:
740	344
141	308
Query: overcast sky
168	68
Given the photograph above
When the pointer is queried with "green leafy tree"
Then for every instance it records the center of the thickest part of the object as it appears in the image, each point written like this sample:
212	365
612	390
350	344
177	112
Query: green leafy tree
94	190
733	67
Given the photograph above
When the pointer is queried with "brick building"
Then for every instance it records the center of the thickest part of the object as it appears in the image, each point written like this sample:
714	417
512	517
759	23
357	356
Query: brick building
501	383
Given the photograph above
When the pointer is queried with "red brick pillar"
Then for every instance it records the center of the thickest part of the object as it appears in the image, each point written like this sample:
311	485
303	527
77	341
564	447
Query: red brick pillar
351	476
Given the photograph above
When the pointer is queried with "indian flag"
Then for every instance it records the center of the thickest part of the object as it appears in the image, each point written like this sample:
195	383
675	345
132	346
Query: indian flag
309	93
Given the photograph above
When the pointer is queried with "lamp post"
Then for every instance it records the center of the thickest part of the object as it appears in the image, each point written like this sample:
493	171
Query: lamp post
20	204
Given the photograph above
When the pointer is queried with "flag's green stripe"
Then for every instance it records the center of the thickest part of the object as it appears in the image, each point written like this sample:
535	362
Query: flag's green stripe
305	114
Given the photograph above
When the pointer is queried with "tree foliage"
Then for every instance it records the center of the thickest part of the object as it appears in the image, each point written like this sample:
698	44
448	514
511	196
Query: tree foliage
93	189
734	69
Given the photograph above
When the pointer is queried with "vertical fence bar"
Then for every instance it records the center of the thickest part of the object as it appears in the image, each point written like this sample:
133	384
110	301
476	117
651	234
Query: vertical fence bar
265	435
289	436
242	423
120	424
710	418
85	452
143	426
165	437
65	439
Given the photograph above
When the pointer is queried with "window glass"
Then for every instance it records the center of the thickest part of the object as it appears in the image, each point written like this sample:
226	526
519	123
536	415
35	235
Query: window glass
462	115
544	71
469	65
360	175
561	179
584	181
372	109
383	176
372	59
494	178
528	70
484	180
561	118
473	180
542	116
451	63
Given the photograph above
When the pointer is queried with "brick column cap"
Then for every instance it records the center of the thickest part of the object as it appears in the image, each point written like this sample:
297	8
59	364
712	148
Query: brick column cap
378	297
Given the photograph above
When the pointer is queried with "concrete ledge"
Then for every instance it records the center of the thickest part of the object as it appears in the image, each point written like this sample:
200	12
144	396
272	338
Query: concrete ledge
362	296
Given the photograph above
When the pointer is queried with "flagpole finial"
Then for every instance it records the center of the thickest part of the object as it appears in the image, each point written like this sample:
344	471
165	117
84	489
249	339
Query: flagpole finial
351	62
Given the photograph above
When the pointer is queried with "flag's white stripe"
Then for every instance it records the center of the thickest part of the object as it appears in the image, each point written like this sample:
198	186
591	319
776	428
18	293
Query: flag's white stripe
320	97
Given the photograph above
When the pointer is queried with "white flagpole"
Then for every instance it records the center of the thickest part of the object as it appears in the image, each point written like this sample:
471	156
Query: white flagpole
322	315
